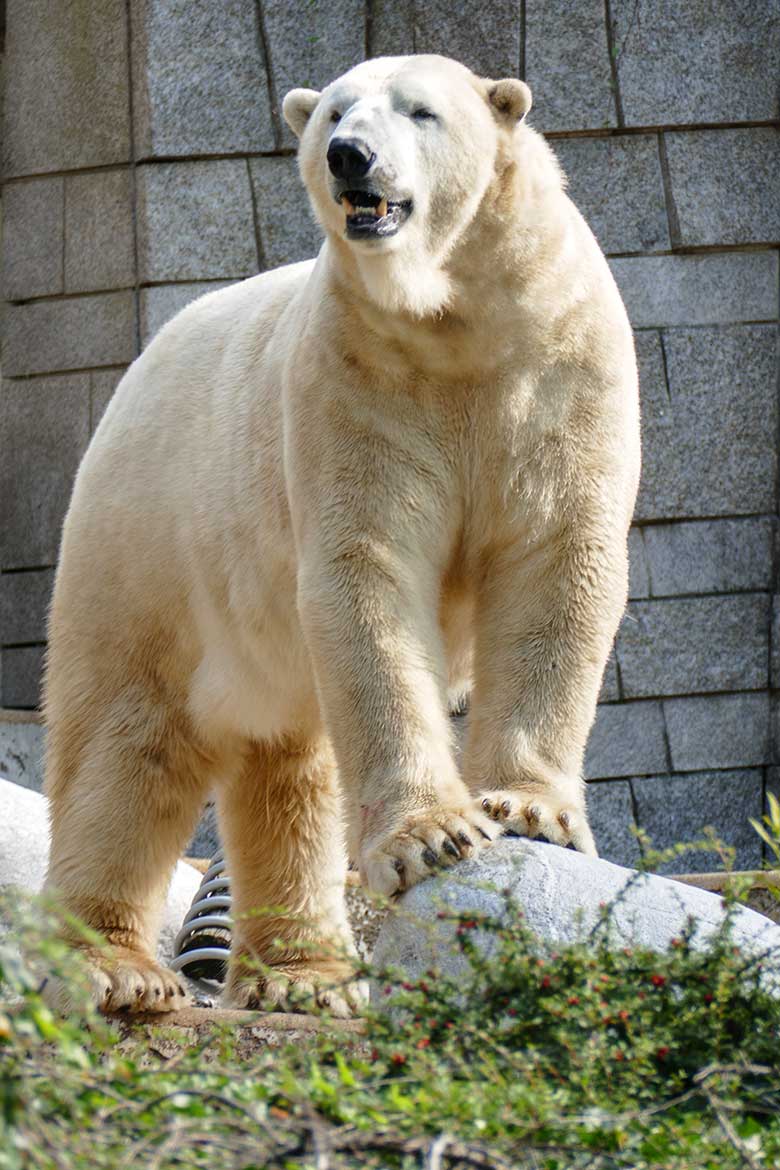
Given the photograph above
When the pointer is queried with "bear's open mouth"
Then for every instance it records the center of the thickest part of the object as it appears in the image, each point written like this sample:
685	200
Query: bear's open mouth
370	215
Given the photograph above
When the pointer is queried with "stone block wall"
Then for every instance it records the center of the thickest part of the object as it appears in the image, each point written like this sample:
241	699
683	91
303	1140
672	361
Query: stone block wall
145	162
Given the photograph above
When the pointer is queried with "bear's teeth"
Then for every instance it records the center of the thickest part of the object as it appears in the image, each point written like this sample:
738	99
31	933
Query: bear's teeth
348	207
382	208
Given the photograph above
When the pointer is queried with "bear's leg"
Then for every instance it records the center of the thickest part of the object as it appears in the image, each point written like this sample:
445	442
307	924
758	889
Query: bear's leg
125	784
546	621
281	824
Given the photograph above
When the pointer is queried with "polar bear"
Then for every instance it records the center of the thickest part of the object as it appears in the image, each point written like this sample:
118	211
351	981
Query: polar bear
320	503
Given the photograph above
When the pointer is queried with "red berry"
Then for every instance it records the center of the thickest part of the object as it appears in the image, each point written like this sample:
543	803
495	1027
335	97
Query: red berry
658	980
573	1000
662	1052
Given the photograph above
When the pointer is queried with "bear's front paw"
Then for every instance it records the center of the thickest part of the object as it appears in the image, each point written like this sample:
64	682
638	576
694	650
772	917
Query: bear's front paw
424	843
539	813
121	980
297	986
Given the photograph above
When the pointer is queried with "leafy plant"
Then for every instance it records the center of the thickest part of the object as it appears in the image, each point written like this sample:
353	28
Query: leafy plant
595	1056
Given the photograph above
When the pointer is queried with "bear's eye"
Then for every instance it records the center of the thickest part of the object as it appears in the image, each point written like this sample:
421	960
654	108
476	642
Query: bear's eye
423	114
335	116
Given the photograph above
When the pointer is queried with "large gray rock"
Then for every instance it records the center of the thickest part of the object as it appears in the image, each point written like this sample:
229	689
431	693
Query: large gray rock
560	893
24	853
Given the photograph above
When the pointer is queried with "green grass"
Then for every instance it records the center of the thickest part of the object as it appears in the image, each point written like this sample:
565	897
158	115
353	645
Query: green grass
595	1056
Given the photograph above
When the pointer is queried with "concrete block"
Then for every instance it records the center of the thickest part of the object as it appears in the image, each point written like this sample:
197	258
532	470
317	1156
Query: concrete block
699	644
69	334
627	740
67	99
709	439
638	578
567	66
675	809
390	29
162	302
195	221
724	185
199	79
696	62
33	238
22	676
22	741
610	689
709	556
102	384
286	224
611	816
311	45
617	185
718	731
44	431
24	604
99	243
774	657
698	290
485	37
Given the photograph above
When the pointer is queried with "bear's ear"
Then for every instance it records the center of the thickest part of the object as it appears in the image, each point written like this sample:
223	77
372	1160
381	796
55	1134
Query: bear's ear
298	107
510	99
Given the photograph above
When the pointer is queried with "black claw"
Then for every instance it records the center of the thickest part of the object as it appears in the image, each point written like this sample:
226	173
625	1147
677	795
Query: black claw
157	993
484	834
429	857
486	805
464	838
398	865
506	808
450	847
139	990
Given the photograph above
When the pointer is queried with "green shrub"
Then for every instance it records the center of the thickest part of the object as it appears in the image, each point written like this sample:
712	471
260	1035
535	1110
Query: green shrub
596	1056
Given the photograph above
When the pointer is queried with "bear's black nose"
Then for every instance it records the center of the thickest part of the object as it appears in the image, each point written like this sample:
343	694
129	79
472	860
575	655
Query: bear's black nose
348	158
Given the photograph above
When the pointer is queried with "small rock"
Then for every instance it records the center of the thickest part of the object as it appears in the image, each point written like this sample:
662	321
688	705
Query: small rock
561	893
24	856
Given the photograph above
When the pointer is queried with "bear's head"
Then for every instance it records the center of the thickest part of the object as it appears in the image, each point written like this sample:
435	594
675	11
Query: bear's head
397	156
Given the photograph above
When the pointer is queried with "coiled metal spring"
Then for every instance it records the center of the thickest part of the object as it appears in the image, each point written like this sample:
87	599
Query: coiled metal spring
202	946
